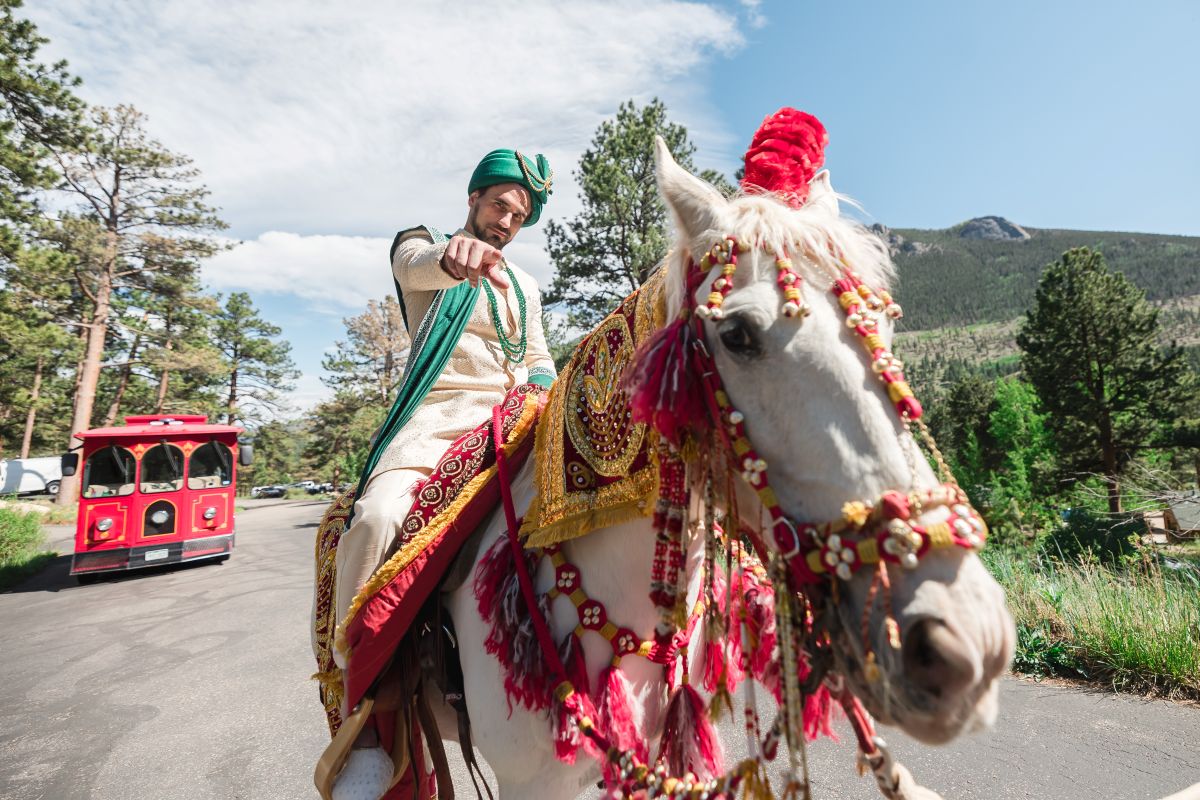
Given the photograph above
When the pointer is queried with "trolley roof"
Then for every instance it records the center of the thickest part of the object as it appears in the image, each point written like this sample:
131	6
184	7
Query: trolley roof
156	426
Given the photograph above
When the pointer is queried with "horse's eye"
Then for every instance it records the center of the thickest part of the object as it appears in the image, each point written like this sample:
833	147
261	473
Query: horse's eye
739	337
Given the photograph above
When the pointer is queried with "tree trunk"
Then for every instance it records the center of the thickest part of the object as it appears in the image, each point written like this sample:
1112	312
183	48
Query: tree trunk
27	439
115	407
1109	456
163	381
89	377
231	405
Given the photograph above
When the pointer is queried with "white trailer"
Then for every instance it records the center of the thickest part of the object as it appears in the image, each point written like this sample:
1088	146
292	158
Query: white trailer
30	475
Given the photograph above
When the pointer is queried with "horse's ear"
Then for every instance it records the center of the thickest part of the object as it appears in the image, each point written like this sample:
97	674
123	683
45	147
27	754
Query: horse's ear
693	202
821	194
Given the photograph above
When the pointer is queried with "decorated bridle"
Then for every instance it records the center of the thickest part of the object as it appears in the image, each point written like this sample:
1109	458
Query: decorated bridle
868	533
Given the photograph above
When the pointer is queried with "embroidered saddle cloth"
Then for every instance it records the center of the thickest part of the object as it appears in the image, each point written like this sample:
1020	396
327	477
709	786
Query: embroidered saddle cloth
447	508
595	466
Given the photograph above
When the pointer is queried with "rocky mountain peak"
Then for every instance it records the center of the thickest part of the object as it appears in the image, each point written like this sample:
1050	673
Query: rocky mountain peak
992	229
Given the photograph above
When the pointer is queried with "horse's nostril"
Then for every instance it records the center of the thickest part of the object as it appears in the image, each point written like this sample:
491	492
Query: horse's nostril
936	660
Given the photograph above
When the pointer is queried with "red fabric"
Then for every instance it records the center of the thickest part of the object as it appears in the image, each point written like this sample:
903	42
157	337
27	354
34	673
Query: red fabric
785	153
383	620
407	787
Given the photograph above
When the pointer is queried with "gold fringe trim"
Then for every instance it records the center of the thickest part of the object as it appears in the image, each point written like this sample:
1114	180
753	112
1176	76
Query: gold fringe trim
403	557
578	525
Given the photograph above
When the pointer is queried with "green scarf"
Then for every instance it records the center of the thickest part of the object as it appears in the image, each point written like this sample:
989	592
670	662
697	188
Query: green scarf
432	345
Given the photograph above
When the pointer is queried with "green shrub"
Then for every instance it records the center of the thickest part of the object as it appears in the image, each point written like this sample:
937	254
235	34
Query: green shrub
20	534
1088	534
21	541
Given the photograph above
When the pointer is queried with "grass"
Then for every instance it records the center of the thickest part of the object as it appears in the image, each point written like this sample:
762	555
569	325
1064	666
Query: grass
21	542
1134	628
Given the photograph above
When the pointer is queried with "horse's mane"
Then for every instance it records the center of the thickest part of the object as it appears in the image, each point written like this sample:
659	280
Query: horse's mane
811	235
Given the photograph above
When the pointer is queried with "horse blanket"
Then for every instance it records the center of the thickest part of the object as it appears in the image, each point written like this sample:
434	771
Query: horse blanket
595	466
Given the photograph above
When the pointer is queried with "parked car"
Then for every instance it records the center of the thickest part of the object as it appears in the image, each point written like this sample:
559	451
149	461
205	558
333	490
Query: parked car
30	475
320	488
268	491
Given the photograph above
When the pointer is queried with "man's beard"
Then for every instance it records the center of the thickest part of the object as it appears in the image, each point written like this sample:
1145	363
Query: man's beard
495	240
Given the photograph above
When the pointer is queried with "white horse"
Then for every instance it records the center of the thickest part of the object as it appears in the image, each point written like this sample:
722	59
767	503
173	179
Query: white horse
817	413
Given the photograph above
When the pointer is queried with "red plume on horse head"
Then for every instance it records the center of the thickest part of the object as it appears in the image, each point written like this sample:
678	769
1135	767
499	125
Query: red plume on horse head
785	153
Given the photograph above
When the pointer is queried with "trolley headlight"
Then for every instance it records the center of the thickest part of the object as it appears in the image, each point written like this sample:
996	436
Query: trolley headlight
104	524
210	512
159	517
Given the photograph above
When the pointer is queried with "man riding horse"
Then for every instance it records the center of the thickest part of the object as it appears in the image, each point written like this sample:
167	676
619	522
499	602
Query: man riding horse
479	334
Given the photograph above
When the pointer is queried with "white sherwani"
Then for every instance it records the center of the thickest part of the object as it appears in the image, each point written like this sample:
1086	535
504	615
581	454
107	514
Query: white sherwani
478	374
476	378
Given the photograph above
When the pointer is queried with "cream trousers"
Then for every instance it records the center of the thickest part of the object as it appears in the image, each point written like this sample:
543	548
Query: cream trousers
378	515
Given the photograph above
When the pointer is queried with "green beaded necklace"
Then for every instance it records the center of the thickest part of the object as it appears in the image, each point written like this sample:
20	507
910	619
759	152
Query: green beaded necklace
513	352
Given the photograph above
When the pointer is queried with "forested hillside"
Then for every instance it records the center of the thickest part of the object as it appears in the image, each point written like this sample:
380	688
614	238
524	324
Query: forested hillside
949	279
965	288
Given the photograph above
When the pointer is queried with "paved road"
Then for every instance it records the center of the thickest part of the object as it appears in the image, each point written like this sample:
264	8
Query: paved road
192	683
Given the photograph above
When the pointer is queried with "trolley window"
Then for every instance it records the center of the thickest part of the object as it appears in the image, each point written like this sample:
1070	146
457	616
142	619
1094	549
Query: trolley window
109	472
210	466
162	469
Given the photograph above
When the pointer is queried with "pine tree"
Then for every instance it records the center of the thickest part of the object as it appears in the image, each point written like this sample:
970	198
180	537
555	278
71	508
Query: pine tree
370	361
1091	349
141	211
258	368
37	110
610	248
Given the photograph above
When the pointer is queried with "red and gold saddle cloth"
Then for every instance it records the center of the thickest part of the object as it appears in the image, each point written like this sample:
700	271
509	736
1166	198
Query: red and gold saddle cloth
595	466
448	506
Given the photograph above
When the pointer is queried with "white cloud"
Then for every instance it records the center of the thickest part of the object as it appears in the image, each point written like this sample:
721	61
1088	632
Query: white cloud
322	128
333	273
755	18
353	118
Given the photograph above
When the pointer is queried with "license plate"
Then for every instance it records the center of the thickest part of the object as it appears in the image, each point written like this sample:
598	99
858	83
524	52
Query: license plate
156	555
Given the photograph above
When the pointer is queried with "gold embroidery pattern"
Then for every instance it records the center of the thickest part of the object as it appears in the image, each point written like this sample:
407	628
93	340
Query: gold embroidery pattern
328	674
594	467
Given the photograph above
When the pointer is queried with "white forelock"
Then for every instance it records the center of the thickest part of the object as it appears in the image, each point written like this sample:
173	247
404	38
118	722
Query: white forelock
811	235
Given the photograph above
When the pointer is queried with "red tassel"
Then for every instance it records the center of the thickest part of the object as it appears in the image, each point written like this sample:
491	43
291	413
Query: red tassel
564	714
511	637
664	390
616	716
818	714
689	742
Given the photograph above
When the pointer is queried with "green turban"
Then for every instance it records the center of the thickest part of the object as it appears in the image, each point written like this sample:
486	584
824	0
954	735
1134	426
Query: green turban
509	166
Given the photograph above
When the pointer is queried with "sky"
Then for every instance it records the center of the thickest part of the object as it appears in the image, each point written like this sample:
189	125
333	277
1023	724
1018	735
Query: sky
322	129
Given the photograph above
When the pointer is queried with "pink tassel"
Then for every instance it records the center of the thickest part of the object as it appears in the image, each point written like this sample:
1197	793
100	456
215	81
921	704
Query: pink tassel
818	715
567	736
689	742
664	390
616	716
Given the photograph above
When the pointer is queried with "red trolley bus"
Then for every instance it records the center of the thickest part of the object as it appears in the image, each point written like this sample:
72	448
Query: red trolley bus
158	490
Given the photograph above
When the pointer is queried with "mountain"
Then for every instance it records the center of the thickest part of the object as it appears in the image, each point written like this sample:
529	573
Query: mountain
963	289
